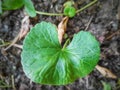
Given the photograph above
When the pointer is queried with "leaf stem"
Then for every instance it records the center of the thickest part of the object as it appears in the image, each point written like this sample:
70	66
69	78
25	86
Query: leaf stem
49	14
66	43
60	14
86	6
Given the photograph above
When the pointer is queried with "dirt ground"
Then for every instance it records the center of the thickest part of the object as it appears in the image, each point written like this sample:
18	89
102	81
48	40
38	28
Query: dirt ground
105	25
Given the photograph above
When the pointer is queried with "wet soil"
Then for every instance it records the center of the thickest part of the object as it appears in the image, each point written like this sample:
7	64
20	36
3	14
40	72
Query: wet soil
105	25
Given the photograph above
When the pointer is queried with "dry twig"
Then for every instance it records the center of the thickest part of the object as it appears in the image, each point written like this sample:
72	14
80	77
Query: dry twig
113	34
89	22
19	46
13	42
13	84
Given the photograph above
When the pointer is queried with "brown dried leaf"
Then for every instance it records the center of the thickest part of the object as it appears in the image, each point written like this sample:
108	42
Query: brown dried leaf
24	27
105	72
62	28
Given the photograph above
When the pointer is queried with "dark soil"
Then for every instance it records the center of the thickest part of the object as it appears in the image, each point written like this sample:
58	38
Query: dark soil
105	22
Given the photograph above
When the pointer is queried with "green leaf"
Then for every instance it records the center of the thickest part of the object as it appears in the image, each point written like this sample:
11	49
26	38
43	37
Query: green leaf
0	7
106	86
44	60
69	3
12	4
29	8
69	11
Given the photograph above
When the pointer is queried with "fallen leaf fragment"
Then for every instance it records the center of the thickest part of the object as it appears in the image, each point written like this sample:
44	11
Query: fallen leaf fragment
24	27
105	72
62	28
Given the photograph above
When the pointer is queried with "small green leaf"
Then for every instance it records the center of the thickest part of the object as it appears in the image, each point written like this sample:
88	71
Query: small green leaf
44	60
106	86
69	11
68	3
0	7
12	4
29	8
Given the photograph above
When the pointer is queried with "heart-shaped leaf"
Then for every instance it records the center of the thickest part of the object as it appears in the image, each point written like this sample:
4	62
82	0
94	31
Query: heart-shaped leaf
46	62
12	4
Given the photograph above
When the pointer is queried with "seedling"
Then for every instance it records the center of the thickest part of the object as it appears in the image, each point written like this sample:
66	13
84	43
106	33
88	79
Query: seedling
69	9
45	61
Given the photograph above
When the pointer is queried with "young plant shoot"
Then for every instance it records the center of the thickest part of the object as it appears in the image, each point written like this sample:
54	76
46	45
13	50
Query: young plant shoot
45	61
69	10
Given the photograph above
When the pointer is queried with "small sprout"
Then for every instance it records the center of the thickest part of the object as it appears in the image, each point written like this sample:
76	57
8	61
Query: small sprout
69	10
69	3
